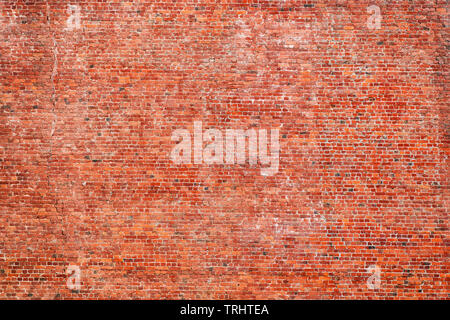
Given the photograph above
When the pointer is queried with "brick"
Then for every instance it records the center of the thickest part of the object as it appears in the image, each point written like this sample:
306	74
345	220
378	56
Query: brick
88	106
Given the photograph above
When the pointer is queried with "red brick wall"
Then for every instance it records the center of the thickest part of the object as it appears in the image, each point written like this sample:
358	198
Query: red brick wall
87	113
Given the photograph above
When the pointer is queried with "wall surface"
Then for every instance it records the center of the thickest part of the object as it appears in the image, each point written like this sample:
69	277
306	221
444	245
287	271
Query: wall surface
92	205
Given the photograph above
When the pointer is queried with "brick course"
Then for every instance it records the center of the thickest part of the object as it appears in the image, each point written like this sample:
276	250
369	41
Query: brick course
86	118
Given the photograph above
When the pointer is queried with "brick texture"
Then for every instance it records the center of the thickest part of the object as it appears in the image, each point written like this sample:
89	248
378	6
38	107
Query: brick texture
88	107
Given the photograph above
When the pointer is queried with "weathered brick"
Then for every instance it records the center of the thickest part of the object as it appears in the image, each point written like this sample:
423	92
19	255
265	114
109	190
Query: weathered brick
88	107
